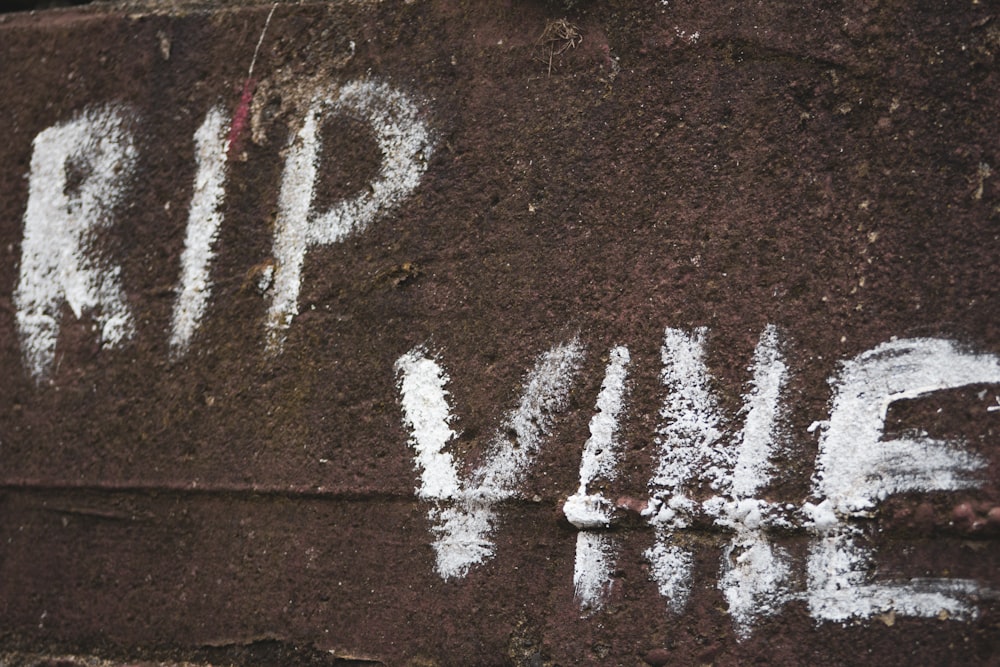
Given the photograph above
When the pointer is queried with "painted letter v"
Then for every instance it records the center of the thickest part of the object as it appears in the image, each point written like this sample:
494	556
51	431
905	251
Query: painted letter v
464	511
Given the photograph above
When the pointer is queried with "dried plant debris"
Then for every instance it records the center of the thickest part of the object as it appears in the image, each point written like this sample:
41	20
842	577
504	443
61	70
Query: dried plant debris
558	37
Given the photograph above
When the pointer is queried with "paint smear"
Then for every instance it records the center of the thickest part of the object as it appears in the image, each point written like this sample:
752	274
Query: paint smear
234	142
754	578
583	510
464	514
687	442
599	452
757	440
840	590
425	410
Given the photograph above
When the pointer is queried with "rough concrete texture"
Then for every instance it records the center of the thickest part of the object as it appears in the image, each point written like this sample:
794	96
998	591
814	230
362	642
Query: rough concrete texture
828	169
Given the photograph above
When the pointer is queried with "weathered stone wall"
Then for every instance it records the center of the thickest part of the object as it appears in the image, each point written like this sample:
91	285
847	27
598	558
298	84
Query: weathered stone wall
500	333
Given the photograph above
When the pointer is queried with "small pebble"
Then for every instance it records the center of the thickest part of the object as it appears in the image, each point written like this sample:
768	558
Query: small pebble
658	657
993	516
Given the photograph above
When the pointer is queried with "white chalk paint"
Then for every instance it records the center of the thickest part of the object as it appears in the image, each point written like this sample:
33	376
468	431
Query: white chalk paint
693	447
755	572
464	514
687	445
689	441
79	170
757	440
204	219
599	452
754	578
671	568
592	569
426	413
594	553
840	587
857	469
404	141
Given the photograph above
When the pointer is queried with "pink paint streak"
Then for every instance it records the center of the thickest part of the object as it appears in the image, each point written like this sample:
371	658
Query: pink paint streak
235	140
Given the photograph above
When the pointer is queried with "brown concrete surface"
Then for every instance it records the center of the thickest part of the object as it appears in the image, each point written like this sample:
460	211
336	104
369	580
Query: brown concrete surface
829	169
